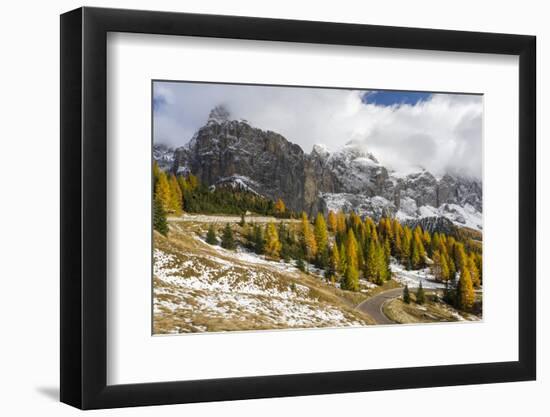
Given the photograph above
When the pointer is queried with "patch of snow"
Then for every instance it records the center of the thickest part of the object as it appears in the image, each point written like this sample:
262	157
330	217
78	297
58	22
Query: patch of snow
239	182
237	286
413	278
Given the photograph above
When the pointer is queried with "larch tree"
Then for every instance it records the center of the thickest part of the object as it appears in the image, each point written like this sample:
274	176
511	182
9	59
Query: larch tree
351	249
332	221
406	246
371	265
308	239
156	172
383	266
272	243
474	272
162	191
350	280
461	260
397	245
280	208
427	241
343	258
415	259
321	237
193	182
333	262
465	291
341	222
445	273
176	198
182	182
436	265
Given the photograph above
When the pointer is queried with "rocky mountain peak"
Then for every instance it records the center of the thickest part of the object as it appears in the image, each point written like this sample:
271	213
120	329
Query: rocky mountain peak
219	114
320	151
226	151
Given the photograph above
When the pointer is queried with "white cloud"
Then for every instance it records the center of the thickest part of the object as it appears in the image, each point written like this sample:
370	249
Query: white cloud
443	133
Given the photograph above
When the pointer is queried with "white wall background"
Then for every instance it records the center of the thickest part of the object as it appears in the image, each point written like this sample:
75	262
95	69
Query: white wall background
29	219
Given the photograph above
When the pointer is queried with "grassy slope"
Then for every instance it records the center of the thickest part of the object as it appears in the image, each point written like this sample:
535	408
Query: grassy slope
430	312
186	249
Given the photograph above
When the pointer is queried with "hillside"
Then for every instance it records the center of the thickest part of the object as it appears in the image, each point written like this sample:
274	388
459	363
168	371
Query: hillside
200	287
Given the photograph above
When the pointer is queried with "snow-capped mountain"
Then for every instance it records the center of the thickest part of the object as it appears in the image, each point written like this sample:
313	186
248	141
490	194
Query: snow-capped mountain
164	156
231	151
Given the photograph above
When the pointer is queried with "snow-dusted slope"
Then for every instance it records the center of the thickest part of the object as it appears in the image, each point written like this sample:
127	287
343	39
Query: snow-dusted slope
206	288
164	156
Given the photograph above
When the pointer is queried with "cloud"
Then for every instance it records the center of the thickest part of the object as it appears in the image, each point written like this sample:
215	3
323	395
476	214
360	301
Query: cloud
441	132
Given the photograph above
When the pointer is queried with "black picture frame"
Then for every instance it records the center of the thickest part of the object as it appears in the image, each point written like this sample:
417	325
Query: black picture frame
84	207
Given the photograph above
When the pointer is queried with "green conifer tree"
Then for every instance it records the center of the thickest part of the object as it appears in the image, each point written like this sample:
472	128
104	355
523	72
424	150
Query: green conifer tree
406	295
259	243
228	242
159	217
420	296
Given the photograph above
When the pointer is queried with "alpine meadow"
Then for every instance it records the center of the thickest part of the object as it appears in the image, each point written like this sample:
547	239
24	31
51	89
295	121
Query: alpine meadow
301	207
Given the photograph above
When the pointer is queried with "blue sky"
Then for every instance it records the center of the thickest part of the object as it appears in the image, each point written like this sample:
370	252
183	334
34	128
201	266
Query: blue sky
391	98
405	130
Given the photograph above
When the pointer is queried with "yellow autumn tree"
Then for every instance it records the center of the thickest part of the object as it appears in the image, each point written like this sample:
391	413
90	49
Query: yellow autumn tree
333	262
272	243
350	281
280	207
474	272
465	290
321	233
162	191
332	221
341	222
440	267
193	182
308	238
176	198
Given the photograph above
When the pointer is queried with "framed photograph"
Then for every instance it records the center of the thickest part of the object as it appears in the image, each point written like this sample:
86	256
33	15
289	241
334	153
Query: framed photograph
256	208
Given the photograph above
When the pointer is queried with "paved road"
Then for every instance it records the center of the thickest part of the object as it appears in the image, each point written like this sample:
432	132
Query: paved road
373	306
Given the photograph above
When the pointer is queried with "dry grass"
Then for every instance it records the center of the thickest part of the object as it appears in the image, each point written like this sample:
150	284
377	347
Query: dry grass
429	312
183	315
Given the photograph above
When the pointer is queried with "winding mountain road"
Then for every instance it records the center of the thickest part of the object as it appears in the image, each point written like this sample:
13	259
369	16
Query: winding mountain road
373	306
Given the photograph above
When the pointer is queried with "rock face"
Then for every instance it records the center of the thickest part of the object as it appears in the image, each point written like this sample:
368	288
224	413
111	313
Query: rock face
265	161
164	156
231	151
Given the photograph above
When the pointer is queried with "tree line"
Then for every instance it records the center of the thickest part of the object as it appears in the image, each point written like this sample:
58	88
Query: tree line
173	194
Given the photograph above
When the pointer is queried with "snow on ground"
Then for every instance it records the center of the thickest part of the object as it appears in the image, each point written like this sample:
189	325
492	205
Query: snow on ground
245	288
240	182
466	216
247	256
413	278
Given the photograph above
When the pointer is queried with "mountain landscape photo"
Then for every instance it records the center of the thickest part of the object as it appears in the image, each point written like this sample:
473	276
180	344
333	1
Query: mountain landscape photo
286	207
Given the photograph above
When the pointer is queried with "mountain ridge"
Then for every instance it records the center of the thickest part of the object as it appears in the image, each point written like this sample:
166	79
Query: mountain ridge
348	179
